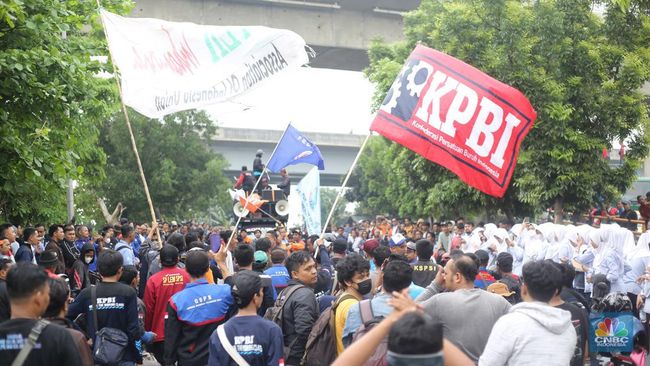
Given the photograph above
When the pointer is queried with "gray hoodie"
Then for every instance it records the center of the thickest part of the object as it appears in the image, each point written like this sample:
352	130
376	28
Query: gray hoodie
532	333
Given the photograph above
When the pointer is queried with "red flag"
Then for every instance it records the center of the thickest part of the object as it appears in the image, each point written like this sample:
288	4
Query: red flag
456	116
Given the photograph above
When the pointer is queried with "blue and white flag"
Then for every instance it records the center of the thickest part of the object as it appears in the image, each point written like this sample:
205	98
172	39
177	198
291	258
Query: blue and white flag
309	191
295	148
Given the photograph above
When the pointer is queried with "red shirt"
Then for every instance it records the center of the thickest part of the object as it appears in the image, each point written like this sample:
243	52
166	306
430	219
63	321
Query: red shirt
160	287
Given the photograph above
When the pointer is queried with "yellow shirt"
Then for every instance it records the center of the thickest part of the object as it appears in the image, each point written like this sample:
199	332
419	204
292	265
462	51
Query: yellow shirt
339	321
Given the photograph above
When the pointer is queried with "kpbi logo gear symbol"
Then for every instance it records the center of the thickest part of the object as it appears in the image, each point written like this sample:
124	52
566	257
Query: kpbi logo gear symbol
403	96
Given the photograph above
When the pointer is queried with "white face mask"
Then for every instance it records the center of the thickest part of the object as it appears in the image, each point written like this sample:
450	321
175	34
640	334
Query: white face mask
107	240
88	259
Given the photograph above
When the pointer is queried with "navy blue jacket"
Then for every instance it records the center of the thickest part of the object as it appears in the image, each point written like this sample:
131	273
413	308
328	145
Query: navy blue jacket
117	308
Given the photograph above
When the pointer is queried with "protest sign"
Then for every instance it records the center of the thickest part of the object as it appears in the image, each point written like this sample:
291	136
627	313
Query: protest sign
611	332
456	116
167	67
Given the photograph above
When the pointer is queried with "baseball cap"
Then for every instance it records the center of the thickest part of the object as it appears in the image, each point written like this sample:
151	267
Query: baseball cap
261	257
168	255
370	245
340	245
246	283
410	245
500	288
396	240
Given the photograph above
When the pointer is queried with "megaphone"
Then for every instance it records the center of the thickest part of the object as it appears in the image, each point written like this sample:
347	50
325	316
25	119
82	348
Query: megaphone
239	210
282	207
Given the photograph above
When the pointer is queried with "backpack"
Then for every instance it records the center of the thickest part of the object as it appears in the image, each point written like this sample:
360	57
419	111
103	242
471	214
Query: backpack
320	349
274	313
110	343
249	182
369	321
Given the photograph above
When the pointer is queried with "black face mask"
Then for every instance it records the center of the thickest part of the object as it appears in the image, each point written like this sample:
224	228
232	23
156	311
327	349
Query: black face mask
365	286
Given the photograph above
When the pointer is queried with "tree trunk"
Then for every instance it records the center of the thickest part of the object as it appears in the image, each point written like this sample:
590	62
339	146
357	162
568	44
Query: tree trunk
114	218
558	209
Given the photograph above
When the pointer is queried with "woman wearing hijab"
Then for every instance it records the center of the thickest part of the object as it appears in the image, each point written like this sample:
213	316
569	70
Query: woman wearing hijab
638	262
568	247
531	241
548	232
610	261
515	250
585	262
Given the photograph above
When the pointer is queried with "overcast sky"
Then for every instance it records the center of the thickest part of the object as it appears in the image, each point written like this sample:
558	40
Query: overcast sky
314	100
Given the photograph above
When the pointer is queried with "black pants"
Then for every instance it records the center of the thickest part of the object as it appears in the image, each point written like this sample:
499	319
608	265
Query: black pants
158	351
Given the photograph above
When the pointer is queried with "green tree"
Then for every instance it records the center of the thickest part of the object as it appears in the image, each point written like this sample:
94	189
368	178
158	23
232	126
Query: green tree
581	72
51	103
184	175
327	197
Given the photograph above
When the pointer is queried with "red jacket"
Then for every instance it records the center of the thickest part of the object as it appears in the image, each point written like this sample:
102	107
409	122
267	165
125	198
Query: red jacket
160	287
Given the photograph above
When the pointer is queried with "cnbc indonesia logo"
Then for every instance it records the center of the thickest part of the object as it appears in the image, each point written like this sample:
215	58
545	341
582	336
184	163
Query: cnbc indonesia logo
611	333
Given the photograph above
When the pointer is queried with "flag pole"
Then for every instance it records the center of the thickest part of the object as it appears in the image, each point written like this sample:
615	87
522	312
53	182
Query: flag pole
232	235
345	182
134	146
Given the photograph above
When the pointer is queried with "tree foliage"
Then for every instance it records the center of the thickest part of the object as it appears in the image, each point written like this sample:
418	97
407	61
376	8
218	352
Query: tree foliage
327	197
184	175
581	72
51	103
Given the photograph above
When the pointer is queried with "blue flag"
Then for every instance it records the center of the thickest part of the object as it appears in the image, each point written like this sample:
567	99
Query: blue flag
309	191
295	148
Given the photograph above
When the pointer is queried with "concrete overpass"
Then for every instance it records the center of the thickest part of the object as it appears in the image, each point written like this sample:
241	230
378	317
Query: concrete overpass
339	31
239	145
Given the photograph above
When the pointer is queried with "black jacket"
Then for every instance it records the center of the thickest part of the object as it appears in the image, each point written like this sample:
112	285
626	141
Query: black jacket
298	317
56	346
424	272
285	185
5	308
117	308
258	166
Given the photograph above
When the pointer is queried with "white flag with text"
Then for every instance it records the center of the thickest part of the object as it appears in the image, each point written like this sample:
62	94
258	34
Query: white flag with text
167	67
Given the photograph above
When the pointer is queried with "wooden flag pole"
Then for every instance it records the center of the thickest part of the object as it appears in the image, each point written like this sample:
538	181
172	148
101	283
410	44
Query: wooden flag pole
128	125
345	182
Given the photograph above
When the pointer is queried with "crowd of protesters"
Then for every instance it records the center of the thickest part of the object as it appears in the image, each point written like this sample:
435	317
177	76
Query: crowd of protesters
381	292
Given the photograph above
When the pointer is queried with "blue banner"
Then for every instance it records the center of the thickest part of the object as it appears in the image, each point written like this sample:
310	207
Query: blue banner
611	332
309	191
295	148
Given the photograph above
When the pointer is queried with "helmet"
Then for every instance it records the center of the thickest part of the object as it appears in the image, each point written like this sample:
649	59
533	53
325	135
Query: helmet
259	152
613	302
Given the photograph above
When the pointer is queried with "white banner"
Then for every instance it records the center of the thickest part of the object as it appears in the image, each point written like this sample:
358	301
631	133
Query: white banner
168	67
309	192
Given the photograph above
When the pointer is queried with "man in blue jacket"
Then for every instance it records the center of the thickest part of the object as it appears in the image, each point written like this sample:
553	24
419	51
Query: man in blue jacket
117	305
194	313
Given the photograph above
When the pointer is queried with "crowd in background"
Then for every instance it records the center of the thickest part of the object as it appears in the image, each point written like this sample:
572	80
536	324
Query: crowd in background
381	291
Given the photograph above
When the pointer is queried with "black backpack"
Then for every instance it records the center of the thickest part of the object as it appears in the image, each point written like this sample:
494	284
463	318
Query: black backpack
320	349
275	313
110	343
249	182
